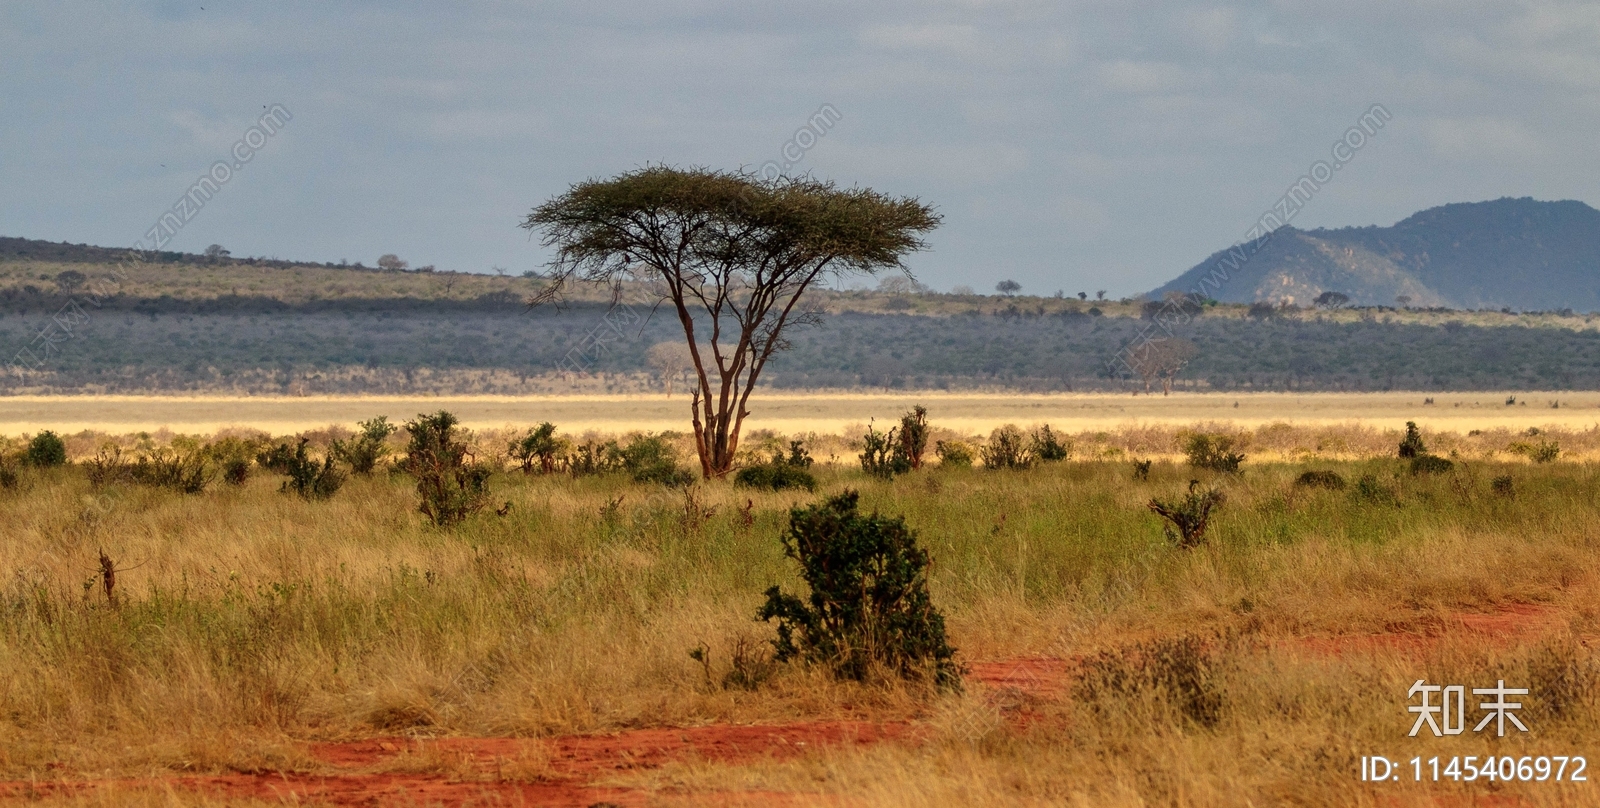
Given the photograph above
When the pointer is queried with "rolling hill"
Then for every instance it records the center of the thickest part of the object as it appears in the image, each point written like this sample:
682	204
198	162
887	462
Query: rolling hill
1508	253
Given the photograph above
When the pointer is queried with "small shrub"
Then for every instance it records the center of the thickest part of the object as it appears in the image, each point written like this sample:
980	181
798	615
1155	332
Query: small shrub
1189	515
236	471
185	472
1213	452
1006	449
880	454
309	479
913	440
1141	469
1321	479
46	450
107	466
275	459
954	453
1180	674
539	450
869	603
1046	447
590	458
368	447
782	472
1545	452
775	477
1411	445
1368	489
451	483
10	479
651	459
1502	486
1430	464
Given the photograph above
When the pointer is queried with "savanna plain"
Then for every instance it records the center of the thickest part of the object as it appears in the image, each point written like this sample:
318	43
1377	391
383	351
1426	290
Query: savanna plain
586	634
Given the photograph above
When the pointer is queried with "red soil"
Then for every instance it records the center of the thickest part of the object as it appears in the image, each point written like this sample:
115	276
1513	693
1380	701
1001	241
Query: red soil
564	767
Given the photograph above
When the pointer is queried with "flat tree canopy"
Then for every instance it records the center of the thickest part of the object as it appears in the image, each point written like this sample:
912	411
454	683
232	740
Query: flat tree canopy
732	253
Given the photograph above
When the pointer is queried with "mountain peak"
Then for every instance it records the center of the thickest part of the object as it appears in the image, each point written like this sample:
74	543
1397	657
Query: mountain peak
1517	252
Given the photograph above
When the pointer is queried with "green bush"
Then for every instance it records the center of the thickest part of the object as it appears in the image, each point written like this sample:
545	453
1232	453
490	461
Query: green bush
591	457
775	477
954	453
913	439
1006	449
1502	486
1321	479
450	481
1047	447
1368	489
46	450
185	472
1190	515
1411	445
1430	464
651	459
539	450
1213	452
869	603
782	472
308	479
368	447
880	454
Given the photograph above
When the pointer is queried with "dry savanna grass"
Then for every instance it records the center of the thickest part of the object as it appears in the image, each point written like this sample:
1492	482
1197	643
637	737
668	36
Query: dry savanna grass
1258	668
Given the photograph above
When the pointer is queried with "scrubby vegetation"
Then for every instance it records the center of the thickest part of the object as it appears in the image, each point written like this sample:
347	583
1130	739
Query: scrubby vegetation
243	624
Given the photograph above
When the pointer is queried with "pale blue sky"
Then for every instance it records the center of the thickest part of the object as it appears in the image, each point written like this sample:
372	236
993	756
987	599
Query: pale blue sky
1069	145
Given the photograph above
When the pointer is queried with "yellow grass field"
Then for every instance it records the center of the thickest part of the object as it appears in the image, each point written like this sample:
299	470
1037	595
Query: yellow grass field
819	412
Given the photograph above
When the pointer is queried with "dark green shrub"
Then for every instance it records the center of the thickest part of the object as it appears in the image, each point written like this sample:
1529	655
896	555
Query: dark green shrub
275	459
1213	452
1141	469
869	602
798	457
954	453
1545	452
1321	479
309	479
1006	449
880	455
185	472
1368	489
46	450
1189	515
1430	464
590	457
1047	447
1502	486
913	439
783	472
1411	445
364	451
236	471
539	450
775	477
651	459
452	484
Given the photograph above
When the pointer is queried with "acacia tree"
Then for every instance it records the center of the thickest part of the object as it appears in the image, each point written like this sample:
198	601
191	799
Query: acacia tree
1162	359
732	253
